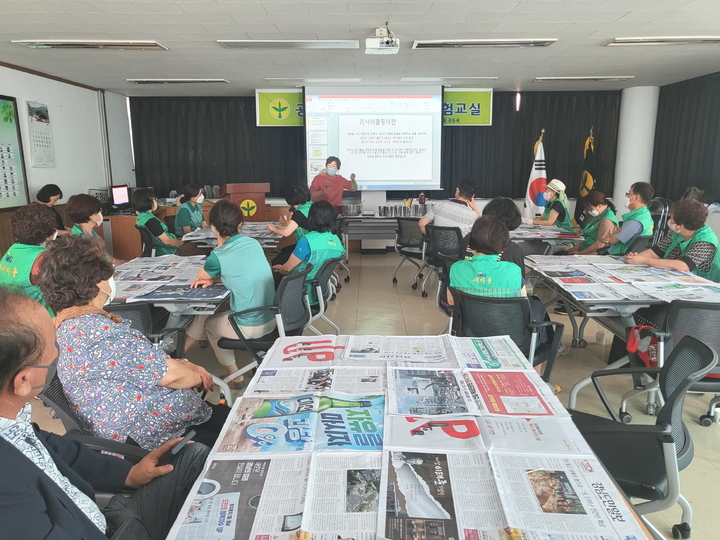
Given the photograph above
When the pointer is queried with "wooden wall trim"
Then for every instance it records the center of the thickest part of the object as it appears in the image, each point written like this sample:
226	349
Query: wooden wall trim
47	76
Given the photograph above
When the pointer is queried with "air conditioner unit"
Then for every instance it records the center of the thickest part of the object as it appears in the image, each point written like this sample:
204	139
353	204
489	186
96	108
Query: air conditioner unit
382	45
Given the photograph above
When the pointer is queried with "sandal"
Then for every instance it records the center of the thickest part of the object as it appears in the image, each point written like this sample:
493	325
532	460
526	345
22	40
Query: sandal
238	384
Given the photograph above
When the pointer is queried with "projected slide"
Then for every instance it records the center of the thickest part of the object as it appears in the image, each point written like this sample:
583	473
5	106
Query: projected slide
390	138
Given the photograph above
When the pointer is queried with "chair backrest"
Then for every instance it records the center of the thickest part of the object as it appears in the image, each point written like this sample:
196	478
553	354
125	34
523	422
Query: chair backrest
55	397
700	320
689	361
322	277
660	211
444	281
138	314
442	241
483	316
641	243
170	222
148	241
290	297
409	233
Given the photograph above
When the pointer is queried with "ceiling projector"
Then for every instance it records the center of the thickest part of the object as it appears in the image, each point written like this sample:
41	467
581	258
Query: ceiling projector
382	45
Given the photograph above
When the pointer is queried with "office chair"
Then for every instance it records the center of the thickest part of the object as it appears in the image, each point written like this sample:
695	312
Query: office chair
291	309
147	241
700	320
324	291
484	316
660	212
342	232
408	244
441	298
170	222
151	322
439	241
645	461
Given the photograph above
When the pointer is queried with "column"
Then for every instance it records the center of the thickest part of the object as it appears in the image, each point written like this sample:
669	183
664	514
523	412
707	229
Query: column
636	140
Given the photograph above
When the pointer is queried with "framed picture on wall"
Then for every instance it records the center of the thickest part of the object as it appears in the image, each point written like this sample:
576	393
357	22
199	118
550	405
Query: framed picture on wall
13	178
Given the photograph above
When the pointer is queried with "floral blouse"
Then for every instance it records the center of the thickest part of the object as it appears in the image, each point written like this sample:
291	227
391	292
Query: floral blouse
109	372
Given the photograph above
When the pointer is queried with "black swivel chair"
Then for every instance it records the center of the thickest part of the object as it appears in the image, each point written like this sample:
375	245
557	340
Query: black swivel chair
148	241
645	460
441	298
660	212
341	227
170	222
438	241
292	315
408	244
151	322
484	316
324	291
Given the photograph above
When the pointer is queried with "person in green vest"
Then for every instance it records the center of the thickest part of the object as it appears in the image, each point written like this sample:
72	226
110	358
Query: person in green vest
240	264
49	195
298	197
145	203
317	246
190	214
556	211
31	226
602	225
86	212
637	222
691	245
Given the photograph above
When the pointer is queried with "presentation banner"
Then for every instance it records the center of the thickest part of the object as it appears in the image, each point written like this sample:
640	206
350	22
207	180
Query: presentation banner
13	183
279	108
467	107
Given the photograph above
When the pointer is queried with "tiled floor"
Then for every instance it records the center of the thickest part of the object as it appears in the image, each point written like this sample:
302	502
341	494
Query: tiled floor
371	304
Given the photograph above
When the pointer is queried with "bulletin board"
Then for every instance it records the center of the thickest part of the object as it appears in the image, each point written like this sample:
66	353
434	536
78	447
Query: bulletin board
13	178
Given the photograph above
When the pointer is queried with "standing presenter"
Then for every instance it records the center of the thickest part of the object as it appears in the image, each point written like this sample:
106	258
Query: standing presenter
329	185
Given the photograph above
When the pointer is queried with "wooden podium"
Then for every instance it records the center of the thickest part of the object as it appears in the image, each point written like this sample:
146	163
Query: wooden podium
250	198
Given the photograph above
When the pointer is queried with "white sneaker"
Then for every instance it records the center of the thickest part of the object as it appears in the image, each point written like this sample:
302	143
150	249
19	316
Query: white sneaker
563	350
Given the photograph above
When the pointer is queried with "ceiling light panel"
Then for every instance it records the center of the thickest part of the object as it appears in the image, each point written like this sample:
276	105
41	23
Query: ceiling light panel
289	43
468	43
593	78
178	81
666	40
313	80
444	79
125	45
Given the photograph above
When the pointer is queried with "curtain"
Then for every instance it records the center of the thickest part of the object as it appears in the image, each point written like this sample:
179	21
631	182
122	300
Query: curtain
214	141
687	138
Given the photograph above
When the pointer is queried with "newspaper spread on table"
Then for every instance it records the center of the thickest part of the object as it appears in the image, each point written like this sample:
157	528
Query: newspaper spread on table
277	381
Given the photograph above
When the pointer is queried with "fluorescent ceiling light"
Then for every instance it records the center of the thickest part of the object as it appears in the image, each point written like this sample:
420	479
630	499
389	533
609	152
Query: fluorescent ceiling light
595	78
461	43
119	44
313	80
289	43
441	79
177	81
667	40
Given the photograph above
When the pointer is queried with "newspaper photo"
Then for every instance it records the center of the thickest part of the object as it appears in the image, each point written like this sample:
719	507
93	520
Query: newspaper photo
306	351
497	352
668	292
343	496
511	393
396	348
450	434
532	435
247	498
304	423
425	392
352	380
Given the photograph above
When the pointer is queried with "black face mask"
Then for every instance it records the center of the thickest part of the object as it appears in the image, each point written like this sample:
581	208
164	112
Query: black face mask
51	370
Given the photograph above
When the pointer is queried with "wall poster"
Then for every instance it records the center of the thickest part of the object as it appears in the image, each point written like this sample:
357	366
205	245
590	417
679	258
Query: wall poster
13	180
41	147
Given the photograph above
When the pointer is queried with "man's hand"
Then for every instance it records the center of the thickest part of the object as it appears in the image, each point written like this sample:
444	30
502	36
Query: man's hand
205	377
147	469
204	283
473	205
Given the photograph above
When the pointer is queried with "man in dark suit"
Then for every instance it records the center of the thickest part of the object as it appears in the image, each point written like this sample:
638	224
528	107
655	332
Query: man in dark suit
48	481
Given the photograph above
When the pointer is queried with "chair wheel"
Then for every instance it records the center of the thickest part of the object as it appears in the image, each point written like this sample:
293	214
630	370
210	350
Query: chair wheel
582	343
706	420
204	344
625	417
420	276
681	531
394	280
332	297
338	286
347	278
414	286
651	409
424	294
574	342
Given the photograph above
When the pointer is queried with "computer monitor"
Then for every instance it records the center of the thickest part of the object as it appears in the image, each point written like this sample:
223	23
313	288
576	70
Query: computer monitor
121	196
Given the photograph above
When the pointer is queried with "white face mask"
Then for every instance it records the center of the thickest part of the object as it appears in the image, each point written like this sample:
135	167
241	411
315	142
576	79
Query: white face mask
200	199
113	289
673	227
594	213
99	222
55	235
547	195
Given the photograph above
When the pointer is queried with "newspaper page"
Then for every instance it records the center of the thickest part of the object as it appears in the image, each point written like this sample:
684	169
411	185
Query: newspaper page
450	434
124	290
510	393
439	496
342	496
497	352
552	260
304	423
533	435
668	292
592	292
630	292
397	348
570	497
425	392
245	498
306	351
354	380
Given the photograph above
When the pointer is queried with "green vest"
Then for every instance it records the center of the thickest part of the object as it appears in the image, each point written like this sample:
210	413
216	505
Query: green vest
304	209
642	215
195	218
485	275
591	230
566	223
77	229
703	234
15	268
323	246
160	248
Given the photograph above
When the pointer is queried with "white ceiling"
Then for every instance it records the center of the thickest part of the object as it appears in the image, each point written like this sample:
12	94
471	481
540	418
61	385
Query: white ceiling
189	28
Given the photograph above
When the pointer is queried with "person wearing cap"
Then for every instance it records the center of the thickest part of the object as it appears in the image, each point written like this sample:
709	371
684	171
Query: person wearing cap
556	208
